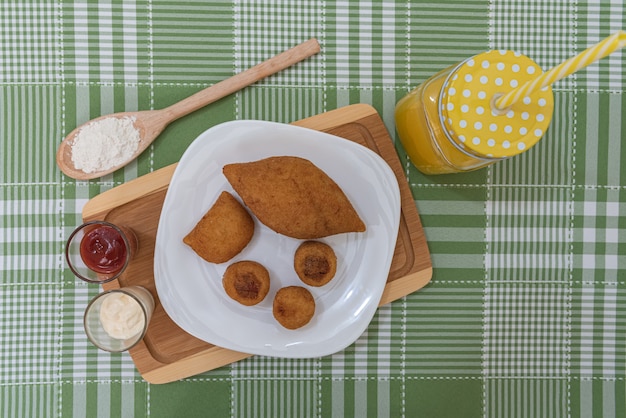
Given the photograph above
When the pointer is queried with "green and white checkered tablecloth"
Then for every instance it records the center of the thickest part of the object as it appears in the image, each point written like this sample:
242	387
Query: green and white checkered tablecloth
526	312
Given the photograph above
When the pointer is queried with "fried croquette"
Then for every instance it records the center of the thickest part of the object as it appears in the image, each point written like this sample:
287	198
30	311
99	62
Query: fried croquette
293	197
293	307
247	282
223	232
315	263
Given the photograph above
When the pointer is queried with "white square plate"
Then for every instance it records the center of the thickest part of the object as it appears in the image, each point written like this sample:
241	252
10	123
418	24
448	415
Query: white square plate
190	288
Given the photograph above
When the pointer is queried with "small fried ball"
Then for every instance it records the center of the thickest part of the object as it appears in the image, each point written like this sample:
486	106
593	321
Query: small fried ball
315	263
247	282
294	307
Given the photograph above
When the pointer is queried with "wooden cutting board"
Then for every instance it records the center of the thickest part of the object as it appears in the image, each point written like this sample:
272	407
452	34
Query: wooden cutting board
168	353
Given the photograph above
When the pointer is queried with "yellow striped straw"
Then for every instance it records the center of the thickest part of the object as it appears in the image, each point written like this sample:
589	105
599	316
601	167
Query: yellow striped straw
588	56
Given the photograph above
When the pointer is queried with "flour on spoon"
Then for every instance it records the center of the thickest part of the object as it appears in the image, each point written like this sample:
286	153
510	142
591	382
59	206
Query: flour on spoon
104	144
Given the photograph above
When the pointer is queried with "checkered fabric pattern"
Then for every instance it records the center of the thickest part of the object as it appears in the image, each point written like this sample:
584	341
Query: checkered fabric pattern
526	312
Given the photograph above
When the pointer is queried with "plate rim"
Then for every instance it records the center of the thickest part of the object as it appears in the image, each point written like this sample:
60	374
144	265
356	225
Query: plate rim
376	295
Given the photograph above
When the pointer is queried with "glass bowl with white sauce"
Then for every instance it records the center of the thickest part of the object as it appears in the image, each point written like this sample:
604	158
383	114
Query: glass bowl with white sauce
116	320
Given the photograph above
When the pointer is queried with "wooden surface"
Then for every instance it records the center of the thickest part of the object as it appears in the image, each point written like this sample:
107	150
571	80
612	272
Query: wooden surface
168	353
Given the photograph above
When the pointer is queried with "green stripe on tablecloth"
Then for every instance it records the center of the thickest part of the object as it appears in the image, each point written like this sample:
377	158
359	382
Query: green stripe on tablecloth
30	126
528	234
364	43
29	47
283	105
29	235
195	397
598	330
265	29
191	42
379	342
443	397
553	160
36	400
115	399
374	353
598	236
528	330
362	397
454	224
443	331
545	31
29	333
528	398
598	398
442	34
275	398
594	22
105	42
600	115
275	387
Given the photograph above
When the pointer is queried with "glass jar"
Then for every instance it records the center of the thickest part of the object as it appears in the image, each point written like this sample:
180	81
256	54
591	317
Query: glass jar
449	123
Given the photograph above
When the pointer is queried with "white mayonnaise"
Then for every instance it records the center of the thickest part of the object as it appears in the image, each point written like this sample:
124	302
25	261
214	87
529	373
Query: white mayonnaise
121	316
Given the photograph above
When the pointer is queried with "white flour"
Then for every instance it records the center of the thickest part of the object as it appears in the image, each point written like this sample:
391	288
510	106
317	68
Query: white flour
105	143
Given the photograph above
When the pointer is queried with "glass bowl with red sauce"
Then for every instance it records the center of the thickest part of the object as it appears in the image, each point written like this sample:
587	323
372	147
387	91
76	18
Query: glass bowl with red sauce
99	252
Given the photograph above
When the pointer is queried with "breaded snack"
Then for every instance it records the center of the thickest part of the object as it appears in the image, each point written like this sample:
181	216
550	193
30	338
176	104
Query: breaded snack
223	231
315	263
294	307
294	197
247	282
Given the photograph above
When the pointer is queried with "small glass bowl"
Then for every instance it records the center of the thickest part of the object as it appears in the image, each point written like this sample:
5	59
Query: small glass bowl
95	330
77	263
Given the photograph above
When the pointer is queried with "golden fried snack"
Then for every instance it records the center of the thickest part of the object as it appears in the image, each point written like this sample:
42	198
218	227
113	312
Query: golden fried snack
247	282
294	307
315	263
223	231
293	197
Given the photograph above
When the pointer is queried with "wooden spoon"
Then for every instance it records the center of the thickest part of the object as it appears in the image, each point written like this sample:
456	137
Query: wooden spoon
150	123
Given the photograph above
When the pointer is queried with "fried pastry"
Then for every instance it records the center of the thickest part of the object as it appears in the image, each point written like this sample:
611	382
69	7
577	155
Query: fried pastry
223	232
315	263
293	197
247	282
293	307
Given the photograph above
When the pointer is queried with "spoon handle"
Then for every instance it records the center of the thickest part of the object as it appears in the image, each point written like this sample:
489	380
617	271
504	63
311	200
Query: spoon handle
245	78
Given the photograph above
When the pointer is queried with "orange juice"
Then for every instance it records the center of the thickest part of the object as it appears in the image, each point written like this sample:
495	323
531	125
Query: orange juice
449	125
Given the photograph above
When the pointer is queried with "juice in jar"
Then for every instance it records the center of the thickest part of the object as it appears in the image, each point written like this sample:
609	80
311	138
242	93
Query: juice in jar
449	124
423	137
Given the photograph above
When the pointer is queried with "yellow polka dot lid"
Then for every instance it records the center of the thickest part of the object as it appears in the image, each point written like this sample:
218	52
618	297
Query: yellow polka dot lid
471	118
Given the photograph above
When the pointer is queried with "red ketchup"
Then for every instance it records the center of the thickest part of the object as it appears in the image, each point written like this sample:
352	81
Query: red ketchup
103	250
